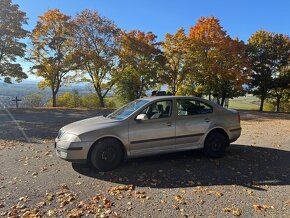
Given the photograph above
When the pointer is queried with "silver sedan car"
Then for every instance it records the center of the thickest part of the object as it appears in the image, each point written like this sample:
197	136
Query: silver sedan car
147	126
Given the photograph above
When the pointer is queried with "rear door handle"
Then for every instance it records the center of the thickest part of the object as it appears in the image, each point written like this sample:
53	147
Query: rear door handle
169	124
206	120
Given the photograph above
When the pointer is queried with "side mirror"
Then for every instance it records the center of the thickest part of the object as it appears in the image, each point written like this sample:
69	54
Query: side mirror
142	117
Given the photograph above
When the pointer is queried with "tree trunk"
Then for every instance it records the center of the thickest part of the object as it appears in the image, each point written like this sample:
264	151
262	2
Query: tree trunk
102	102
223	100
173	90
101	99
53	99
278	104
262	103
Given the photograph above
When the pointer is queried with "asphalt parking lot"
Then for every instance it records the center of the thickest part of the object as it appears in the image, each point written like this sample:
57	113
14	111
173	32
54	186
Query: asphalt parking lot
252	180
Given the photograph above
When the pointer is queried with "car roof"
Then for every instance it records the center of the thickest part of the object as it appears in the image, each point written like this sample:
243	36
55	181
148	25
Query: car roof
153	98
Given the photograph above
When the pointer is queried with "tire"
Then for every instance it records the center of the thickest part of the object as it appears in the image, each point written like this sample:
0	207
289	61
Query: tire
215	145
107	154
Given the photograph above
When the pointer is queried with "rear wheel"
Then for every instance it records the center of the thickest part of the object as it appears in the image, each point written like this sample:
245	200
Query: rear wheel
107	154
215	145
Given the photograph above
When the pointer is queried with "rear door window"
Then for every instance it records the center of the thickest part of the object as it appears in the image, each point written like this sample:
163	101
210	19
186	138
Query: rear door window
188	107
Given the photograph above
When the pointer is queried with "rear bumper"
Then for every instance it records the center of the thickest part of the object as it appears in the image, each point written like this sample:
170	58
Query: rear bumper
235	133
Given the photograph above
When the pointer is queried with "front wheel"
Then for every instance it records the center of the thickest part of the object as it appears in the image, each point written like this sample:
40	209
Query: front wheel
107	154
215	145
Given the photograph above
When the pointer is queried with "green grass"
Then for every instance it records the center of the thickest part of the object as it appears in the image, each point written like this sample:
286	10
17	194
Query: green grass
248	103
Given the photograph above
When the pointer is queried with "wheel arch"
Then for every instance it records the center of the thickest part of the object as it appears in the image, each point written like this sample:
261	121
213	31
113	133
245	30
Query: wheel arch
107	137
219	130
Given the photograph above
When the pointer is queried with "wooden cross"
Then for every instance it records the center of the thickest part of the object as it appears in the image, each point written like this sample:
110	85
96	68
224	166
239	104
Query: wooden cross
16	101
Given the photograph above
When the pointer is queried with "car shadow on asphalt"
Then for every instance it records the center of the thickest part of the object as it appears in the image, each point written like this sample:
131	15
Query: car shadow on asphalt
249	166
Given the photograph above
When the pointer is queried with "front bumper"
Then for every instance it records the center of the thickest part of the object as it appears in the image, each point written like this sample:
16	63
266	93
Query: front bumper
72	151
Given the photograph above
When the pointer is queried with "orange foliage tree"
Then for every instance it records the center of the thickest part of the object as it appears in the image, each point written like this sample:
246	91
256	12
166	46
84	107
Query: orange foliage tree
52	52
218	63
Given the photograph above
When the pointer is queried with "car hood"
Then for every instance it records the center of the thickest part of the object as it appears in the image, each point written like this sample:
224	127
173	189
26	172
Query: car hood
88	125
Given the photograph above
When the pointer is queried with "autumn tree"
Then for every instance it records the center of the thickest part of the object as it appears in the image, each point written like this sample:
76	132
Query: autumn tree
268	53
175	69
52	50
11	34
218	63
138	65
96	51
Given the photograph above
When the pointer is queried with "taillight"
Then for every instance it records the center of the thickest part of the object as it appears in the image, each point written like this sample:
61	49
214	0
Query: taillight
239	117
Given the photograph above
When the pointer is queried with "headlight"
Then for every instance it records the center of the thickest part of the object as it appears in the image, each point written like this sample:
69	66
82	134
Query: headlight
69	137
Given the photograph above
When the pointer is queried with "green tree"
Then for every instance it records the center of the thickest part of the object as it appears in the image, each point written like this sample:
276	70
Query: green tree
268	53
11	34
175	49
280	88
138	65
52	52
96	51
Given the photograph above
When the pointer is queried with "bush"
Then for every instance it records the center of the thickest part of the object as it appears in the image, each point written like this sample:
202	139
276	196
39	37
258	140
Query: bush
90	100
33	100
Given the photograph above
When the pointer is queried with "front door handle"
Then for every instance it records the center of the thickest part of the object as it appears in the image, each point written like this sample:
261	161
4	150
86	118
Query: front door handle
169	124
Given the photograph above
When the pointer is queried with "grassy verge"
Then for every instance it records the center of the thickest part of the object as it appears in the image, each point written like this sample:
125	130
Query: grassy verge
248	103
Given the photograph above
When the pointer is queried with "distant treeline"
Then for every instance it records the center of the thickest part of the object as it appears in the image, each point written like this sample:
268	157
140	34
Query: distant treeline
91	48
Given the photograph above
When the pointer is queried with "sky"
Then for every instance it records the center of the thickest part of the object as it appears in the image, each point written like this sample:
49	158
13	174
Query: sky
239	18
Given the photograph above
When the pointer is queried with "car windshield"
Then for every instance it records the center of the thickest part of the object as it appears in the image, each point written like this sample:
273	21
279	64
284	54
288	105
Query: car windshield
127	110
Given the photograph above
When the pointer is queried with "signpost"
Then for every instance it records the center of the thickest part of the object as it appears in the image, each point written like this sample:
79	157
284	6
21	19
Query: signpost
16	101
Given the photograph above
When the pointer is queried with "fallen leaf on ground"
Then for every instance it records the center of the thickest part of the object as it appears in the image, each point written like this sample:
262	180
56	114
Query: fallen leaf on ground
50	213
34	174
235	211
176	207
64	187
49	196
31	214
40	204
120	188
179	199
250	192
260	208
75	213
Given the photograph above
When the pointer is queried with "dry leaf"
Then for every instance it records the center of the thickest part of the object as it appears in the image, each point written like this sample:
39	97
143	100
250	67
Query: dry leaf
75	213
237	212
49	196
260	208
176	207
250	192
40	204
119	189
179	199
227	209
50	213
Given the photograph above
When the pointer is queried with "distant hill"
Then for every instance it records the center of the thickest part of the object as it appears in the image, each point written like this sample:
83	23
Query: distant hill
10	91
